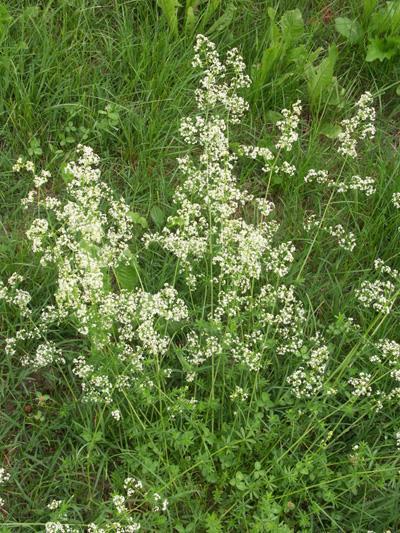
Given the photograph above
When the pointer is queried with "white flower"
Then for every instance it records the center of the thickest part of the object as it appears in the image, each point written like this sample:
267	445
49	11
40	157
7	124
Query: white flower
345	240
239	394
360	127
361	384
54	504
396	199
119	503
116	413
288	127
4	475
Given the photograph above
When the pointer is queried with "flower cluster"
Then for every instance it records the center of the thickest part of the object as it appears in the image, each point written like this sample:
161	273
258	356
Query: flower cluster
126	504
11	294
220	81
84	237
247	262
288	127
354	183
239	394
361	384
88	234
359	127
380	294
4	477
308	379
135	502
345	240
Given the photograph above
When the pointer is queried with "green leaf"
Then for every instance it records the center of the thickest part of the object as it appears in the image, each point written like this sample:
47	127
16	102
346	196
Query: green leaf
190	20
213	524
224	20
272	116
369	6
127	277
126	274
170	10
330	130
382	49
269	57
157	215
271	13
321	83
138	219
92	437
350	29
292	25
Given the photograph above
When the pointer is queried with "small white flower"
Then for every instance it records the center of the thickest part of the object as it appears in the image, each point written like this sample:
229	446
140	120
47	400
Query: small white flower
116	413
54	504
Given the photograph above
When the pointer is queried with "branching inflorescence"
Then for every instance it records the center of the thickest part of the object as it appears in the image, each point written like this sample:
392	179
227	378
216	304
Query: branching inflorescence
237	260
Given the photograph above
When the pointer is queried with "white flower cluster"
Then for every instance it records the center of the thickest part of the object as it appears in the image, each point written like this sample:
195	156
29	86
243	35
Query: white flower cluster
134	494
357	183
345	239
377	294
208	200
59	527
288	127
116	414
354	183
311	221
361	384
20	164
396	199
308	379
135	501
255	152
4	475
380	294
239	394
131	317
387	363
208	228
84	237
46	353
359	127
11	294
220	81
89	235
54	504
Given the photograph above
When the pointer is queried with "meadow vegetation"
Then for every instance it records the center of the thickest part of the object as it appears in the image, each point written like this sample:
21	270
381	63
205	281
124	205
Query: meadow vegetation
200	274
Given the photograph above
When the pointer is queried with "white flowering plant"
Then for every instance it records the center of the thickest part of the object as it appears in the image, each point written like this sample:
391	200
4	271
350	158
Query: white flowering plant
195	353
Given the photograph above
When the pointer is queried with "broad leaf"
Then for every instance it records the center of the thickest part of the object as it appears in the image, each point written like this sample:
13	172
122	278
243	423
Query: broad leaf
170	10
127	275
330	130
321	83
382	49
224	20
138	219
350	29
292	26
157	215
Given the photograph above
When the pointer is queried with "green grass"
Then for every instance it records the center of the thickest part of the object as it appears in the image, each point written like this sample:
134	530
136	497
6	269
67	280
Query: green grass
273	466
